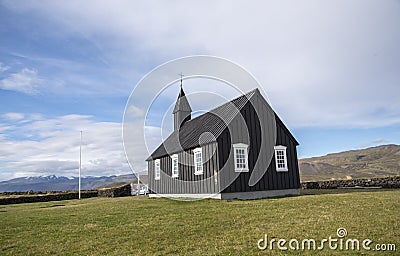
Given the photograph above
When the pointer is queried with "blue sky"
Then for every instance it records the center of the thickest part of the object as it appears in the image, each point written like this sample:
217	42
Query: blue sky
330	70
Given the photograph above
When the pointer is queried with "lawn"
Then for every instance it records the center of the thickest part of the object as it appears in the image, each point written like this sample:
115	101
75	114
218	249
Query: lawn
143	226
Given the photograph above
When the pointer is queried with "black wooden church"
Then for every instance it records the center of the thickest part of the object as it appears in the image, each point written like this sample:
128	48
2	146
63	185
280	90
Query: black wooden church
216	153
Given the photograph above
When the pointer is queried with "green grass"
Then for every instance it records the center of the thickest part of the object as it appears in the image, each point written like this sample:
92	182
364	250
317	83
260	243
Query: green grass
142	226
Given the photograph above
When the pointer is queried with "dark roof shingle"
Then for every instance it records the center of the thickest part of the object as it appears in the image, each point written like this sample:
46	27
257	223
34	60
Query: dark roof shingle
202	129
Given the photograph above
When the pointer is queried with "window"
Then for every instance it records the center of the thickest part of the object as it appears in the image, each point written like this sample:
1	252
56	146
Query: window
175	167
241	157
157	169
198	161
280	159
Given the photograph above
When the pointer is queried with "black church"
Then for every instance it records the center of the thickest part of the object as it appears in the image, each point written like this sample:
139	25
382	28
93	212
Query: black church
240	149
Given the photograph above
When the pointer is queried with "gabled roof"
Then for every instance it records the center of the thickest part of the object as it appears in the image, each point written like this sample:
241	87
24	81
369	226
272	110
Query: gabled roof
190	134
182	103
205	128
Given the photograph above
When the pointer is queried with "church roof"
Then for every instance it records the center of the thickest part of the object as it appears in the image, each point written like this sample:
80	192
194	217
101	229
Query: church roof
182	103
202	129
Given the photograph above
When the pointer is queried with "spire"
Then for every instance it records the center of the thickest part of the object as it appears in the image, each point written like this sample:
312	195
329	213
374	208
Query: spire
181	79
182	103
182	110
181	93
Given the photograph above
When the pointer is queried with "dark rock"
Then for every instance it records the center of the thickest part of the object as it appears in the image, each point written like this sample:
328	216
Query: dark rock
386	182
124	190
31	198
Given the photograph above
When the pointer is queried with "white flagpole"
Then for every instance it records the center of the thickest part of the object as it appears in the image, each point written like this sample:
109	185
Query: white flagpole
80	166
138	185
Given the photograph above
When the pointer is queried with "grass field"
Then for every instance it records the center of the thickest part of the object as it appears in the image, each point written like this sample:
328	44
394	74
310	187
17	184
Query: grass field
143	226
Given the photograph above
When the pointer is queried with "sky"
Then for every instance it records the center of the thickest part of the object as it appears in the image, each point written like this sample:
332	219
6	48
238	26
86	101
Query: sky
330	70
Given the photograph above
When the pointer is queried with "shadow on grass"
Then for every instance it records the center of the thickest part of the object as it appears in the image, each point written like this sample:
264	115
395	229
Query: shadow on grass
52	205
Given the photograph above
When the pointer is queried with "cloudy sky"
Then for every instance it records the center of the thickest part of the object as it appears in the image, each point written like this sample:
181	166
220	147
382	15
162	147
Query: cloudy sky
330	70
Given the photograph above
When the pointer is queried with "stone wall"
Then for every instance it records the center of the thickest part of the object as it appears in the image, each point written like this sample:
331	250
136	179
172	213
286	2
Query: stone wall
124	190
386	182
9	198
32	197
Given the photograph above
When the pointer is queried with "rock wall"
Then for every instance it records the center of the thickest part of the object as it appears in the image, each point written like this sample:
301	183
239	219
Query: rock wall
32	197
124	190
386	182
9	198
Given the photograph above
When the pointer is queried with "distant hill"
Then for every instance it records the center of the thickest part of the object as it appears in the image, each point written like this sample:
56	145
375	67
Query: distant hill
372	162
377	161
60	183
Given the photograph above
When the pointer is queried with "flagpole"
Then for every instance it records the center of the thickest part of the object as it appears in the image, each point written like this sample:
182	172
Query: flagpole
80	166
138	185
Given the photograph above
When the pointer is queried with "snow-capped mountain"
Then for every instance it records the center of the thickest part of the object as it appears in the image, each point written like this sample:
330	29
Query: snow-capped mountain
61	183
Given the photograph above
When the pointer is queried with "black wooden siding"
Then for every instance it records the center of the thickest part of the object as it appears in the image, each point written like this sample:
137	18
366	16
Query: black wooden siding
272	180
205	183
221	160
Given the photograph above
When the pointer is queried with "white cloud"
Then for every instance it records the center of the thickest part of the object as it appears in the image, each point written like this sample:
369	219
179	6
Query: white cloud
379	140
322	64
53	148
3	67
135	111
14	116
4	127
26	81
374	142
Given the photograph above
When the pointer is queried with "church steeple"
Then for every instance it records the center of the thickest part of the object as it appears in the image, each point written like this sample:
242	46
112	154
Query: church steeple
182	110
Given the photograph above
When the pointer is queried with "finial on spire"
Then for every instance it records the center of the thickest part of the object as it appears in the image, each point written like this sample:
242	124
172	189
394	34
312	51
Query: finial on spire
181	78
182	110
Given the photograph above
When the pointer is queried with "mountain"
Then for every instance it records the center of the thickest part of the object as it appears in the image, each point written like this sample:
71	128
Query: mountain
371	162
60	183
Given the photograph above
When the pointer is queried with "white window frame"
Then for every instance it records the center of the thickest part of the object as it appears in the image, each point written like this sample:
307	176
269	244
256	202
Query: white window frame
197	151
157	169
279	168
245	147
174	172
